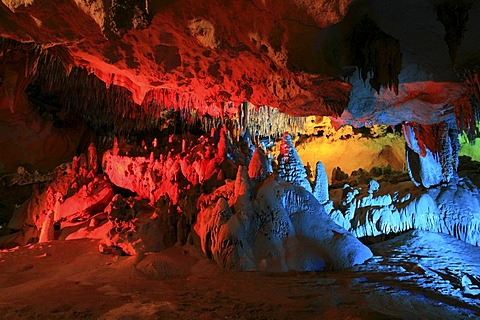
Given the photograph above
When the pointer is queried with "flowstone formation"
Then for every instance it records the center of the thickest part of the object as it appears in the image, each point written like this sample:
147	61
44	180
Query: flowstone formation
279	228
435	199
432	152
452	208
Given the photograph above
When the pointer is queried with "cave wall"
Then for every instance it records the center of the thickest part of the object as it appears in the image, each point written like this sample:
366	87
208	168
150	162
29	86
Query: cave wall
28	140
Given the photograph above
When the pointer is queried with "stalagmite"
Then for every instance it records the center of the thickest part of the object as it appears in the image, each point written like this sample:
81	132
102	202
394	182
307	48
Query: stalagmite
258	169
47	231
242	182
92	157
52	208
222	143
265	230
320	190
290	166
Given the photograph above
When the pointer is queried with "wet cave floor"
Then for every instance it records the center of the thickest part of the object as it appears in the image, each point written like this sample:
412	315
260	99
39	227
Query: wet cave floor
418	275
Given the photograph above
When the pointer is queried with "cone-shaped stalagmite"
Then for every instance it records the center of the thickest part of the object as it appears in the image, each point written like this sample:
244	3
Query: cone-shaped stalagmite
258	167
321	184
290	166
222	143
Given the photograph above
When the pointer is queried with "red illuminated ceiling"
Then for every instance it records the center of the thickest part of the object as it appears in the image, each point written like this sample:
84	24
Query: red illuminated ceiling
203	49
295	55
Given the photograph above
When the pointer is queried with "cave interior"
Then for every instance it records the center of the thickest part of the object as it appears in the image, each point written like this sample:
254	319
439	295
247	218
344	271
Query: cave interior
247	159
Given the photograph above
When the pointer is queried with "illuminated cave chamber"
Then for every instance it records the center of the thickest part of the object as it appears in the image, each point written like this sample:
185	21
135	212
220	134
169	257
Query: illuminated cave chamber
166	149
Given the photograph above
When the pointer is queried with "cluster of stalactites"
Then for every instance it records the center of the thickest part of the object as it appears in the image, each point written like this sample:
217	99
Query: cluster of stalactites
252	123
439	140
264	121
377	55
53	78
84	94
467	110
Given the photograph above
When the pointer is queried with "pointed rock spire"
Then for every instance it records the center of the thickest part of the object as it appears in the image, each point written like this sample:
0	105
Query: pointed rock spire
222	143
320	190
290	166
242	182
258	167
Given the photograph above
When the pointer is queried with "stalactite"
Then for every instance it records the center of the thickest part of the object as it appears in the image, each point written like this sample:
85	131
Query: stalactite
453	132
85	95
453	14
467	110
267	122
467	115
446	156
376	54
427	136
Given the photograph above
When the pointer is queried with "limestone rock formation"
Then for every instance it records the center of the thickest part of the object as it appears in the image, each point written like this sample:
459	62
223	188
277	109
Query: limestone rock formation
282	228
320	191
432	152
205	59
290	166
135	227
452	208
152	178
258	167
73	197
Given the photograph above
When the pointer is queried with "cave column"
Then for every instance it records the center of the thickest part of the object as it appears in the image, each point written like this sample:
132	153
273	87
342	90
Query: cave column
431	152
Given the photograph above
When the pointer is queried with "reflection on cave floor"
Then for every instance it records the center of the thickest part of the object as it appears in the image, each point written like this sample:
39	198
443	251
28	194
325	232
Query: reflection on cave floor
418	275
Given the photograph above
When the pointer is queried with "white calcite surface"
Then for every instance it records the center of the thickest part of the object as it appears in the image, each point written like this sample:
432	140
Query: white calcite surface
452	208
277	227
320	191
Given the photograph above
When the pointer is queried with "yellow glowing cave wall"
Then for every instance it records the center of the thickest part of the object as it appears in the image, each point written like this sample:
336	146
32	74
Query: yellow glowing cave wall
350	151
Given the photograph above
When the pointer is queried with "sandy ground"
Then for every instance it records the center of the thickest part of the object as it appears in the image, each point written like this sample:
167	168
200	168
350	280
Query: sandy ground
72	280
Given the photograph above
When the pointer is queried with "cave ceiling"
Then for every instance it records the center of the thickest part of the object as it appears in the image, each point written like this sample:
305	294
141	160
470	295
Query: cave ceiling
361	62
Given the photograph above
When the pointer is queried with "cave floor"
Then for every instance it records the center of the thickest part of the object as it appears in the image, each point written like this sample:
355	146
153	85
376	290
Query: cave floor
418	275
